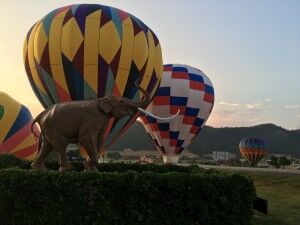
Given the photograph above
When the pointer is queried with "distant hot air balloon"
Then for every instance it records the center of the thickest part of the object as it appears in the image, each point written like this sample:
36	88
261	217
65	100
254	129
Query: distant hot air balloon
87	51
182	88
253	149
15	129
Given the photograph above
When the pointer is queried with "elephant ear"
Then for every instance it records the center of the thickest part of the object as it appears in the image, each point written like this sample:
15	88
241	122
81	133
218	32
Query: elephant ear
105	106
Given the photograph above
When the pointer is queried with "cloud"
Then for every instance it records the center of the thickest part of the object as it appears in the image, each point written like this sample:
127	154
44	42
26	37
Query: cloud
292	106
298	115
229	104
268	99
254	105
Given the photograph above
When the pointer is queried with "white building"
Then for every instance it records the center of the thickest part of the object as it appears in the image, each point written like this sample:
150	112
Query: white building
222	156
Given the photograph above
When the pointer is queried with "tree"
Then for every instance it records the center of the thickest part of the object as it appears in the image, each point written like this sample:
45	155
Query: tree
283	161
274	162
234	162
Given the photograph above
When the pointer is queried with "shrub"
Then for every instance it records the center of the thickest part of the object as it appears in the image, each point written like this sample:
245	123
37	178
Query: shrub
122	194
75	198
9	161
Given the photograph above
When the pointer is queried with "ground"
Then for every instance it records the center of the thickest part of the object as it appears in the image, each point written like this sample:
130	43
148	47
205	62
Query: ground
283	194
282	190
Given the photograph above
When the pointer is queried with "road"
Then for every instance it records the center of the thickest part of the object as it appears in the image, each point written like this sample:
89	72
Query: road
233	168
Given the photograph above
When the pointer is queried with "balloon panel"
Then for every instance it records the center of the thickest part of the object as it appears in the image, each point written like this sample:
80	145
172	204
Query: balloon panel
87	51
253	149
182	88
15	129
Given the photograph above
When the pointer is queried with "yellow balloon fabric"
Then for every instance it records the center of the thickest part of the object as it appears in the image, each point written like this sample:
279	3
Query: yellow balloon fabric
87	51
15	129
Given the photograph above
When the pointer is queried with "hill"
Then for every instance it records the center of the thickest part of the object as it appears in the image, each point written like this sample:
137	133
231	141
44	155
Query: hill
279	140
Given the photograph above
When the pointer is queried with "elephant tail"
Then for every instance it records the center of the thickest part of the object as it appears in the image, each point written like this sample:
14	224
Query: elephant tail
36	120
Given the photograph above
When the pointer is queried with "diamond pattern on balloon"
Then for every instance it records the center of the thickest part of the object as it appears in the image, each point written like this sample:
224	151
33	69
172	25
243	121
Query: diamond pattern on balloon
71	39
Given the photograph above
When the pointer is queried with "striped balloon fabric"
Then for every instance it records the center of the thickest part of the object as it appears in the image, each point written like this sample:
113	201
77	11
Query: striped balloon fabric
87	51
188	90
15	133
253	149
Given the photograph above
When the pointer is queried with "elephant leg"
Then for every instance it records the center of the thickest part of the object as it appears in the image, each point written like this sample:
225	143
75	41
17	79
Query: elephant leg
61	148
44	150
90	147
100	145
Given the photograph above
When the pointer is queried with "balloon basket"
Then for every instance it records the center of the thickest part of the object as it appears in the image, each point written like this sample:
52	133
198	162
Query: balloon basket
172	159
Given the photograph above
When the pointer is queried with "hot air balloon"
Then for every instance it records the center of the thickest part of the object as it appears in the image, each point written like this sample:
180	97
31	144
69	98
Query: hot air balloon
253	149
87	51
188	90
15	129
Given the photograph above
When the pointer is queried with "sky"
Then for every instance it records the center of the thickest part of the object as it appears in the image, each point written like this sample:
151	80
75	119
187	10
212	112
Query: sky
249	49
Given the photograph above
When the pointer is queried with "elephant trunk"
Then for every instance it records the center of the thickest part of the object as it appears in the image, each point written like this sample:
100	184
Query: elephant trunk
141	104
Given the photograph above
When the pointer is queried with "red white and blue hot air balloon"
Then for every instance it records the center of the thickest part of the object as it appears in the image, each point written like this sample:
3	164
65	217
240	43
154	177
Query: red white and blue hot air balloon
183	88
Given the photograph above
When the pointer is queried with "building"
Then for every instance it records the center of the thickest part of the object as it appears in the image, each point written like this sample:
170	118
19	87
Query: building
222	156
147	159
73	153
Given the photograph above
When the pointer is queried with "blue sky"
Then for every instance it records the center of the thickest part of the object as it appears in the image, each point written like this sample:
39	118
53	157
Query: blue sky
249	49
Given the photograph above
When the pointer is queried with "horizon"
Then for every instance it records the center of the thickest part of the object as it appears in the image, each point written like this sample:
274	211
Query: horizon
249	50
256	125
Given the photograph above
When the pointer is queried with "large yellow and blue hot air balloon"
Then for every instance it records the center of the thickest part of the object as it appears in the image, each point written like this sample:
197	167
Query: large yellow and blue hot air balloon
15	129
88	51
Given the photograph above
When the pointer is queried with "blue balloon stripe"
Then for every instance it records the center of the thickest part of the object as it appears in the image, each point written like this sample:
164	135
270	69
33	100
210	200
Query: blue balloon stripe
180	69
50	84
179	101
196	77
163	91
191	111
209	89
22	119
163	126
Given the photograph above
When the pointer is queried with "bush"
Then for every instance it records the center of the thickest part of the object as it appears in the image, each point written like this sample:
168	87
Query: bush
122	194
9	161
75	198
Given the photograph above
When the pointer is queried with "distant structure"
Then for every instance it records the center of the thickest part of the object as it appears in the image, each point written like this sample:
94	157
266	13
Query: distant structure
222	156
147	159
73	153
129	154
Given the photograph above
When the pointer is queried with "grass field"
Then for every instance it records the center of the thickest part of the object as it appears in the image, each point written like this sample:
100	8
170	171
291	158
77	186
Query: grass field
283	194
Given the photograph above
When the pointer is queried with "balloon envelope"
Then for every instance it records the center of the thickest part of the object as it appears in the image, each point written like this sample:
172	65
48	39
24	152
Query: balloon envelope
15	133
183	88
87	51
253	149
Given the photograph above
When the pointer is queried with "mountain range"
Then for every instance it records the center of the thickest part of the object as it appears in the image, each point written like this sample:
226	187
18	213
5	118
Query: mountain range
278	139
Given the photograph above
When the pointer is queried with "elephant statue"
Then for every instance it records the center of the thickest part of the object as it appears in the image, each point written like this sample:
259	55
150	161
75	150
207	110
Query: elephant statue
83	122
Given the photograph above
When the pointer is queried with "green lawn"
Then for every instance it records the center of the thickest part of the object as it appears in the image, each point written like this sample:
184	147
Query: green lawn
283	194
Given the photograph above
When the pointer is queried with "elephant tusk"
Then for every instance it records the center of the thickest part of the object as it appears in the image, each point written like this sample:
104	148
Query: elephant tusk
159	118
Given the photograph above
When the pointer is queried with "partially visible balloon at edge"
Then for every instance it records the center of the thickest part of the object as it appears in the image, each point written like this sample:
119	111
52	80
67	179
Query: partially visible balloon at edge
15	129
183	88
